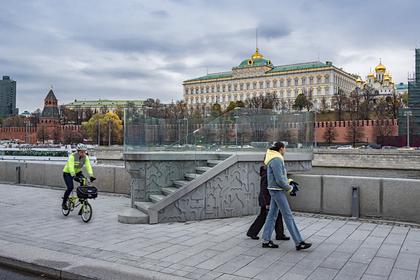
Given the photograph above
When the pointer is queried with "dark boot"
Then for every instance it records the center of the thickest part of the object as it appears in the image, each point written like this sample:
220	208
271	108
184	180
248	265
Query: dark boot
269	244
303	245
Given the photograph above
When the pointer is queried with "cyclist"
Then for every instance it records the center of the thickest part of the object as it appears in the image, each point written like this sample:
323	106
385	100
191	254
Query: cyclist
73	170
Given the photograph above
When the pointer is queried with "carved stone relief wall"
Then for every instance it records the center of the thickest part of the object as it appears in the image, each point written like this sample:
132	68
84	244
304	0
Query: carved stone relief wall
232	193
149	177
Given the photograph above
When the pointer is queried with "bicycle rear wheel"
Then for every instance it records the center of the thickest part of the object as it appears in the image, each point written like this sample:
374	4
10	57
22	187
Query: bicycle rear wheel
86	212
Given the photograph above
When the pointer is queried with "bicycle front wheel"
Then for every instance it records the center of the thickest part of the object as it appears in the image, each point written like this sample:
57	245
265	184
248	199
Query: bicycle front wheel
86	212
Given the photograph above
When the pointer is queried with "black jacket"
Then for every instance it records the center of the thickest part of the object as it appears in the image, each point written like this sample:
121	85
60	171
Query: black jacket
264	196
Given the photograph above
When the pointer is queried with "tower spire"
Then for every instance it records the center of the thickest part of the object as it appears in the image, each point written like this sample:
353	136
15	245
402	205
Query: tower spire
257	53
256	39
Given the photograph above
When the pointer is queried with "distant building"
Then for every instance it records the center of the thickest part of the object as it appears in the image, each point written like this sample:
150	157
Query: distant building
7	97
102	105
257	76
401	88
26	114
413	109
381	81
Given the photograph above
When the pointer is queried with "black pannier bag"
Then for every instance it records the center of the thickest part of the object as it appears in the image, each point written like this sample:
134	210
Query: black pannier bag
87	192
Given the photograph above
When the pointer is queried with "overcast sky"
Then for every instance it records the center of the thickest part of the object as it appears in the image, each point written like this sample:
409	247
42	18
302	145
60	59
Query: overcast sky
131	49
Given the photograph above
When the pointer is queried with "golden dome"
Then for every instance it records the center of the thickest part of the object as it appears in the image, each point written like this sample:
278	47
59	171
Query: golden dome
257	55
359	80
386	78
380	67
371	75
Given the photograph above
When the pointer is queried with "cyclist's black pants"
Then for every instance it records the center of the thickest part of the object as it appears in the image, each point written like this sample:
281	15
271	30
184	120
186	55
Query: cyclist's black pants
68	179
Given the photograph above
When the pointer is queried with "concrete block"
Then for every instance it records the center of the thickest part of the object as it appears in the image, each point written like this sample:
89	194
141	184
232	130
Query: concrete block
338	192
10	171
54	175
105	178
133	216
308	199
33	173
401	199
122	181
3	173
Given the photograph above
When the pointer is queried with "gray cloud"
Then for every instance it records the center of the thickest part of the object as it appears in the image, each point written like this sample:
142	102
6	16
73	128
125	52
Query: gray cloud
139	49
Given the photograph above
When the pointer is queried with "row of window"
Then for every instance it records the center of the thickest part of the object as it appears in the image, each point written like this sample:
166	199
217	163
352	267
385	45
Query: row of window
257	85
242	97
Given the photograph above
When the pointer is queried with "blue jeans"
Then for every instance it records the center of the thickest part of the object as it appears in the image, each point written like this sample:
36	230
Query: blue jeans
68	179
279	201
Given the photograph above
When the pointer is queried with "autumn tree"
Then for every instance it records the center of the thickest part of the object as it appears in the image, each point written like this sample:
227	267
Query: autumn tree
354	133
56	134
268	101
301	102
14	121
42	133
369	95
330	134
339	102
104	126
323	104
72	137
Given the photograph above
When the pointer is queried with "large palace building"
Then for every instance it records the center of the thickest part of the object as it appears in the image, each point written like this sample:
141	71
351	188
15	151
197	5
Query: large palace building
258	76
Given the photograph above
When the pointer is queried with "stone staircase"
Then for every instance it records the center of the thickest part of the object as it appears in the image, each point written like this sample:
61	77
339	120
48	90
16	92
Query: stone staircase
176	186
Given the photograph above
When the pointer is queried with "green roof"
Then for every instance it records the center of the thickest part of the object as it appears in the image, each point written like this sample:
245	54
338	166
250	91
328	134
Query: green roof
255	62
104	102
299	66
260	62
221	75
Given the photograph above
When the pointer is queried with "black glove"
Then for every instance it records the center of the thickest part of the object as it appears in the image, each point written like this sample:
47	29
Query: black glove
91	178
295	188
76	178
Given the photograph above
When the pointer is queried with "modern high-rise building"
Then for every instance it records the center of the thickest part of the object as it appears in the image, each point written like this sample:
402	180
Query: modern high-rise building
7	97
412	113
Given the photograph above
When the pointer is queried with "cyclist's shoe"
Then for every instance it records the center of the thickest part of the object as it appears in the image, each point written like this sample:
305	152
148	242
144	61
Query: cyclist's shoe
64	205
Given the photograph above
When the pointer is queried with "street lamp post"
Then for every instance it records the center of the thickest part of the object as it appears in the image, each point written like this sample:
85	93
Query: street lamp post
236	125
236	130
109	132
408	114
179	131
186	135
99	133
274	118
316	108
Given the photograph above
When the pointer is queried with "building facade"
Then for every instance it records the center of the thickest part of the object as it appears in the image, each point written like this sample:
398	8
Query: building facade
7	97
101	105
381	81
401	88
257	76
411	115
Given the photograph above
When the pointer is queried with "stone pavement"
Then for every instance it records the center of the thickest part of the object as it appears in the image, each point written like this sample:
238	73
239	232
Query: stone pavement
35	235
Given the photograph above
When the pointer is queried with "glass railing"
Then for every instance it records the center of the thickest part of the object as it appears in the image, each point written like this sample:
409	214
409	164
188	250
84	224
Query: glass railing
241	129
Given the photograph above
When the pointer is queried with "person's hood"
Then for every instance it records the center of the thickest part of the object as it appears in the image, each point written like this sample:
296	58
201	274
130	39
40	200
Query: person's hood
270	155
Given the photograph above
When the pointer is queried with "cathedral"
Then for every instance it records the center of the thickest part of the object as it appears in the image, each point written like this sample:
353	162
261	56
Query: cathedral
381	81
